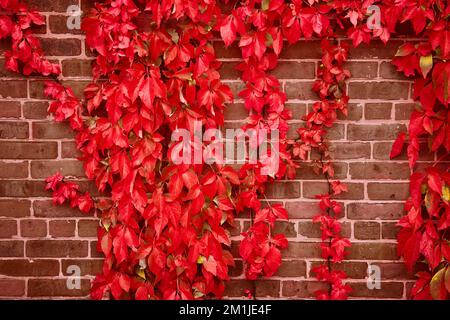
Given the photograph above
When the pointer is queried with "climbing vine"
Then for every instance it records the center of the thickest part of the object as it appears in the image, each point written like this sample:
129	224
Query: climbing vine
164	229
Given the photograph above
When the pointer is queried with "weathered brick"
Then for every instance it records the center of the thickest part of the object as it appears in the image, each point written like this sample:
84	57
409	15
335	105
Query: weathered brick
376	111
372	251
9	109
51	130
13	169
360	69
46	209
62	228
379	90
11	248
377	170
35	109
13	130
388	191
367	230
13	89
371	211
56	288
61	47
374	131
28	267
57	248
23	188
68	168
33	228
14	208
12	287
311	189
28	150
8	228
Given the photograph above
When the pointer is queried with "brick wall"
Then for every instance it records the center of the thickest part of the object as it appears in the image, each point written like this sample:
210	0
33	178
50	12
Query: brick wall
39	241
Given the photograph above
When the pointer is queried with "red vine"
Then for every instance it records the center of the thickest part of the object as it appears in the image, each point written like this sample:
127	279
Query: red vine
164	231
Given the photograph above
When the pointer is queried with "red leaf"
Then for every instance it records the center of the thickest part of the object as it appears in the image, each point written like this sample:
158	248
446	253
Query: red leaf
397	147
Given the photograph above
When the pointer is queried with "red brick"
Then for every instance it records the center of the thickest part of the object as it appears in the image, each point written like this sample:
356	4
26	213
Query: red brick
22	188
45	208
9	109
301	289
68	168
33	228
28	150
61	47
302	210
13	169
51	130
302	50
311	189
12	287
77	68
388	71
27	267
264	288
403	110
394	270
294	70
14	208
388	191
371	211
11	248
377	170
62	228
13	89
367	230
350	150
298	110
374	131
376	111
360	69
292	268
13	130
56	288
301	249
87	228
8	228
57	248
35	109
389	230
355	111
69	150
300	90
379	90
372	251
280	190
306	171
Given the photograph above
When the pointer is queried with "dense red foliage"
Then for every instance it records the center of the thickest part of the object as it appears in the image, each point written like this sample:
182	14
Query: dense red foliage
164	230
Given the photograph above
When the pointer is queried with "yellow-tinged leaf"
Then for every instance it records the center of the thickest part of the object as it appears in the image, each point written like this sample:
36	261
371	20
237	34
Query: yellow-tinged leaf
265	5
436	285
201	259
446	193
447	279
426	63
140	272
